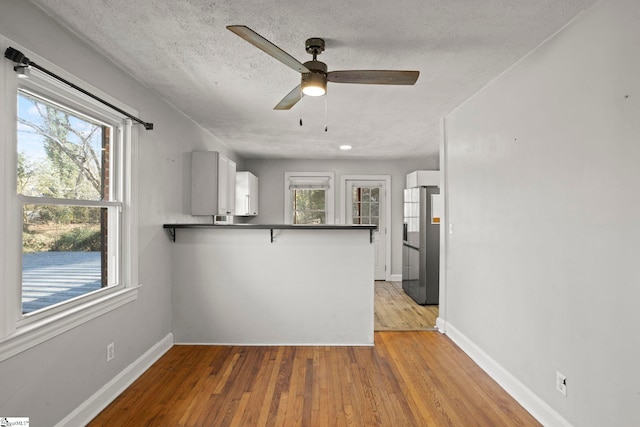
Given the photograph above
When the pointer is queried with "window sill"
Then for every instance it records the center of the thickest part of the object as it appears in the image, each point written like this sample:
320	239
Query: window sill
42	330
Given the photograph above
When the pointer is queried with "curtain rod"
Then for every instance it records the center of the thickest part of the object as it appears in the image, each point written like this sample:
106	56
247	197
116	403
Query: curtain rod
23	62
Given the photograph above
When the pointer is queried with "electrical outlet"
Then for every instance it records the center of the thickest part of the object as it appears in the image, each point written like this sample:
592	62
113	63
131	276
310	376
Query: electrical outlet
111	352
561	383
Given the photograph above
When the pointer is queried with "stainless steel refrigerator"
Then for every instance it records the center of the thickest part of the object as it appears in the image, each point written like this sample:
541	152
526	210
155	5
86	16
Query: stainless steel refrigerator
421	246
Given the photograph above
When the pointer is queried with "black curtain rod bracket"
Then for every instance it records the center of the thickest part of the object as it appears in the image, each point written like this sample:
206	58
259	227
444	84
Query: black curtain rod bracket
22	61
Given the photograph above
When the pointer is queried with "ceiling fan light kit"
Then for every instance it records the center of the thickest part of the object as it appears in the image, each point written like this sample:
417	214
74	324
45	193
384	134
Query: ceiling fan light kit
315	82
314	75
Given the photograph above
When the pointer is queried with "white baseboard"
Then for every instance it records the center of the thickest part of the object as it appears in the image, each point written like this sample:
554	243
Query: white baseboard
107	394
441	325
281	344
540	410
395	278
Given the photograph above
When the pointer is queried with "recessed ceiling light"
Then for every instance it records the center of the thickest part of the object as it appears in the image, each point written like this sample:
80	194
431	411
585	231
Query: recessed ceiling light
346	147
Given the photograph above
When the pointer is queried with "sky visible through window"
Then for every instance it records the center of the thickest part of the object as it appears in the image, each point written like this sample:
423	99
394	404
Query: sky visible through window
44	127
31	143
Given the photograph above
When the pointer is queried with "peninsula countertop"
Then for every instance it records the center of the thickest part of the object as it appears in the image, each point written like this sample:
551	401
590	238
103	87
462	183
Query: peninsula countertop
171	228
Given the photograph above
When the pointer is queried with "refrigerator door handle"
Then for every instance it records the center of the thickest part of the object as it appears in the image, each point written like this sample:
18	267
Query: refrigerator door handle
410	246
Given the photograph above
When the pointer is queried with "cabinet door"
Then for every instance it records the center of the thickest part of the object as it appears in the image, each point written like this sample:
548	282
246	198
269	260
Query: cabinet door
213	184
231	187
253	195
204	183
223	185
246	194
242	193
226	185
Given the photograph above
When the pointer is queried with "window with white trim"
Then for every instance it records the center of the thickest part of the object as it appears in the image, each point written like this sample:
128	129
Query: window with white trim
70	200
68	219
309	198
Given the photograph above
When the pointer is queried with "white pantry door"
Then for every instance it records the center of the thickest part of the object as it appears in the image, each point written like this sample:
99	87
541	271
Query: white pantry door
365	204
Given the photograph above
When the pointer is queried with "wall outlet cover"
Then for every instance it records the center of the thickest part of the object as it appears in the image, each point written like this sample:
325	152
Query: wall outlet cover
561	383
111	352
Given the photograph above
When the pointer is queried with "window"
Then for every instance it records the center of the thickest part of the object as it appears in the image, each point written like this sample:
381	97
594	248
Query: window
70	206
365	205
308	198
67	217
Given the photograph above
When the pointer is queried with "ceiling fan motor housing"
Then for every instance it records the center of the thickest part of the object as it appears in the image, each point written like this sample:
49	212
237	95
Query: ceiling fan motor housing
316	67
317	77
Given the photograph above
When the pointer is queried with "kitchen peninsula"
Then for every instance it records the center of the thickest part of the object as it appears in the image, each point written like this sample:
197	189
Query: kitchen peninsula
258	284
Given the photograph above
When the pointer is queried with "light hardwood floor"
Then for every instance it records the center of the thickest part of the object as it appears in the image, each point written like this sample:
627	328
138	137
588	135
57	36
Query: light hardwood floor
407	379
396	311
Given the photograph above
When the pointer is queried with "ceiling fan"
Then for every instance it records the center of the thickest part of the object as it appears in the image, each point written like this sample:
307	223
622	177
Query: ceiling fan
314	73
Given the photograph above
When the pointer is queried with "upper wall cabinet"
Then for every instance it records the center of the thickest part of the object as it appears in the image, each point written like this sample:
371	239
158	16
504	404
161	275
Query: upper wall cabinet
246	194
423	179
213	183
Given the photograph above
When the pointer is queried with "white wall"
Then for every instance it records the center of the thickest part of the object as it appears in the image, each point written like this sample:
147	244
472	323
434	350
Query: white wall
48	381
543	194
307	287
271	192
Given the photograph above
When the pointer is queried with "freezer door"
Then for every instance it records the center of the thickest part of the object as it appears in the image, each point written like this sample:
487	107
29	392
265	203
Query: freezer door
411	271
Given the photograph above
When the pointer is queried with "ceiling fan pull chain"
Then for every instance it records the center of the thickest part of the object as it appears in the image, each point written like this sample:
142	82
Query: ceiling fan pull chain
300	108
325	112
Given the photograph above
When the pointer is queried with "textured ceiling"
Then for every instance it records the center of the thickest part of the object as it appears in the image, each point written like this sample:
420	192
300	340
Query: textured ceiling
183	51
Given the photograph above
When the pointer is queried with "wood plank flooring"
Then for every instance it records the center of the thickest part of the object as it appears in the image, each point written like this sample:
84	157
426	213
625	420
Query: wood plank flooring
396	311
407	379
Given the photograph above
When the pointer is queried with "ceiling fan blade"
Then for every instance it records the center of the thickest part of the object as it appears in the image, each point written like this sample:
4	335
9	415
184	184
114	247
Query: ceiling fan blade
290	100
269	48
375	77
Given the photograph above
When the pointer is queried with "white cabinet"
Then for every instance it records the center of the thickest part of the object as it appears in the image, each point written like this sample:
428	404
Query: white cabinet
423	179
246	194
213	183
226	185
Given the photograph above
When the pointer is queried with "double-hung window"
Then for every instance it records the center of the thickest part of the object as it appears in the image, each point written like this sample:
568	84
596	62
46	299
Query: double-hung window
309	198
70	201
71	221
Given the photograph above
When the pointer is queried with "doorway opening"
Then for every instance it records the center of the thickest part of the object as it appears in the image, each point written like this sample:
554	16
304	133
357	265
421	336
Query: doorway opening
367	200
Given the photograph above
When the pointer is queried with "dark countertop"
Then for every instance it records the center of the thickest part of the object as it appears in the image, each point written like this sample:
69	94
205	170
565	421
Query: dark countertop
276	226
171	228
